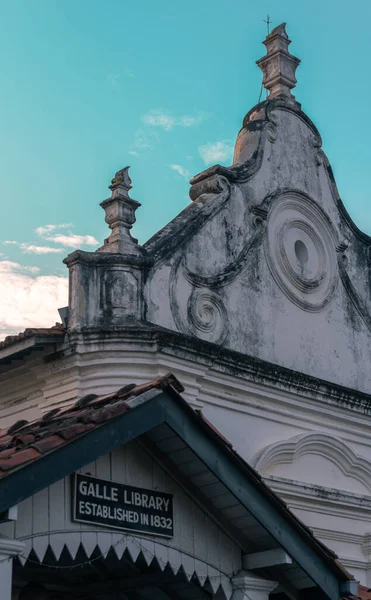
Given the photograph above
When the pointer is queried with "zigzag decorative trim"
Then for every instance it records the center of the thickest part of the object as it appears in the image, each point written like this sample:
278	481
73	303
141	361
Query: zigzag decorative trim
208	576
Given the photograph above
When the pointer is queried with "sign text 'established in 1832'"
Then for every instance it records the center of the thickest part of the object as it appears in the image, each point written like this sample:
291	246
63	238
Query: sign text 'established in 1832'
121	506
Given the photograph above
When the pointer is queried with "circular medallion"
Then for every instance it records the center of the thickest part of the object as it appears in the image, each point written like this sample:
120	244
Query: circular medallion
300	249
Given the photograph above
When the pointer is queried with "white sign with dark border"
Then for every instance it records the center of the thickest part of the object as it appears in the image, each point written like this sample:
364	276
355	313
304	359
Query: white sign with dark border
118	506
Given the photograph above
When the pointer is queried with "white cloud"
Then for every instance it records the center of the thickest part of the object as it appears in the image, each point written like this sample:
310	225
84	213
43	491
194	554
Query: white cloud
142	140
215	152
9	242
48	228
27	301
188	121
69	240
33	249
8	266
73	240
157	118
181	170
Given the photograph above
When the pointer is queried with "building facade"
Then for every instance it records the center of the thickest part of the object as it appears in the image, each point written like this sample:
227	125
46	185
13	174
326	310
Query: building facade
256	297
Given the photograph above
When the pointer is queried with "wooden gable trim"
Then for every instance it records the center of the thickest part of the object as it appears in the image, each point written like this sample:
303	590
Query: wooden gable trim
52	467
231	470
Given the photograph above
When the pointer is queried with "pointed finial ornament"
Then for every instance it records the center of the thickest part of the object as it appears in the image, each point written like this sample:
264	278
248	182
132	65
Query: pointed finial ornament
121	183
120	216
278	66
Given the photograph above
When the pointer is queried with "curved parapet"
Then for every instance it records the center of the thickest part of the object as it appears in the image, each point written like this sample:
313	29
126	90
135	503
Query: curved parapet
266	260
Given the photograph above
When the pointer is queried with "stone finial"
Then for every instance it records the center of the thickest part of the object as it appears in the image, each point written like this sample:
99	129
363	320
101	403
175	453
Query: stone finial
278	65
121	183
120	216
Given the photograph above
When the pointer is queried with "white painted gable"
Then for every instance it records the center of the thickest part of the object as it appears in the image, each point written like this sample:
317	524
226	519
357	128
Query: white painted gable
273	267
198	545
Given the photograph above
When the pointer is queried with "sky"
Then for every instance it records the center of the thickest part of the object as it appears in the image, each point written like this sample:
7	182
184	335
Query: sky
91	86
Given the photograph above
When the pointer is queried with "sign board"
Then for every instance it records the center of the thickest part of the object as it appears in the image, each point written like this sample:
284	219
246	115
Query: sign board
119	506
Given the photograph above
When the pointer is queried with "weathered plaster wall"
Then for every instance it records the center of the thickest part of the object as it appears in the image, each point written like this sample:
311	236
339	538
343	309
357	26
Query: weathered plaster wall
21	385
271	266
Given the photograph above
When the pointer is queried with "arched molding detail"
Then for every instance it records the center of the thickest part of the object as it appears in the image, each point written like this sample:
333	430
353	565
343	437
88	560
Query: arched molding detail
320	444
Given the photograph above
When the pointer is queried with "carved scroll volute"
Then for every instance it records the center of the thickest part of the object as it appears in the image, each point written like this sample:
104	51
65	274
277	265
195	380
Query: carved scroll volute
207	315
196	309
213	185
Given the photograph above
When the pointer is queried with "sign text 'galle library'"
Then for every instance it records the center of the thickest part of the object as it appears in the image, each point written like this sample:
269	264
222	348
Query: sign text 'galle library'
122	506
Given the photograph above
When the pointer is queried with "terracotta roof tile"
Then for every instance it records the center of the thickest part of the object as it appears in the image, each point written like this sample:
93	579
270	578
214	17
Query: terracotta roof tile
4	441
16	459
24	442
17	426
48	443
57	330
364	593
5	453
103	415
28	438
75	430
102	399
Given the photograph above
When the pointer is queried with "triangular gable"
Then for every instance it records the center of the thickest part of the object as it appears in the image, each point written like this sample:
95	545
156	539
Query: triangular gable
183	442
197	545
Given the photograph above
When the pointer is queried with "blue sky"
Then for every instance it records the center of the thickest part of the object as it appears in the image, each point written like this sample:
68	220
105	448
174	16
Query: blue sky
90	86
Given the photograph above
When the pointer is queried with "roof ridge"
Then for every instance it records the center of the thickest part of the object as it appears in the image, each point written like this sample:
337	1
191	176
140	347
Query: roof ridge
56	329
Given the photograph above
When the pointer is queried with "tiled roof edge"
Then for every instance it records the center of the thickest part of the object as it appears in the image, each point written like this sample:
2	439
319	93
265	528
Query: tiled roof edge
57	330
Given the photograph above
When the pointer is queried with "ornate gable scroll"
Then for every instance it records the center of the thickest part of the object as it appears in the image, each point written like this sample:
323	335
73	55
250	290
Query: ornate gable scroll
266	261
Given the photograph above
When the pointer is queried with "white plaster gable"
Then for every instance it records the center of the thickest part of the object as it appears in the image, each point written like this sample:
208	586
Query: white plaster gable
266	261
319	459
